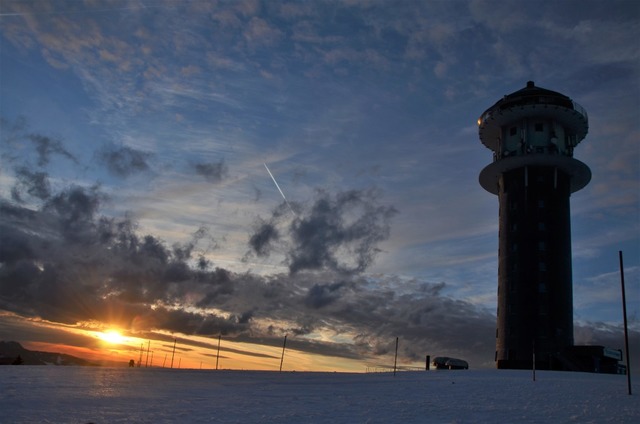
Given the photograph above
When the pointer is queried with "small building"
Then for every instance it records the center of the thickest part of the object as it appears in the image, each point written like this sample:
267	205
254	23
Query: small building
598	359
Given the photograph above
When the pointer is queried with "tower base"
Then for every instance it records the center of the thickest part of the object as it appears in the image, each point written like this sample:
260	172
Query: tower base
595	359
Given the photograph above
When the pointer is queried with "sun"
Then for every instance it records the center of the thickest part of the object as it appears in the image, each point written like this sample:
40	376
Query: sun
112	336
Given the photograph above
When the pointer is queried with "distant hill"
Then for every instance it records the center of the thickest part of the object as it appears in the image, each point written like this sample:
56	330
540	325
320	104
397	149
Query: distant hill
10	351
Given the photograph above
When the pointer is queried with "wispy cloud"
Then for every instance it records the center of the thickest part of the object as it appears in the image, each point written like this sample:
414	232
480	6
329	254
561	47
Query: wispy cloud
124	161
212	172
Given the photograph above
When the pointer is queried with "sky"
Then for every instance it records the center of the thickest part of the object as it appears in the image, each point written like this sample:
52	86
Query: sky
181	171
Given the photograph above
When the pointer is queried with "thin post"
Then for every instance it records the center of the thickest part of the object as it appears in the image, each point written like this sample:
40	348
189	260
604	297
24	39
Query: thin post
146	361
165	360
395	361
283	348
174	351
141	350
151	363
218	354
533	349
626	331
426	365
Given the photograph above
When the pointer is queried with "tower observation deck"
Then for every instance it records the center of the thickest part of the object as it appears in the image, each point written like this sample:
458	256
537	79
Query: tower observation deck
533	133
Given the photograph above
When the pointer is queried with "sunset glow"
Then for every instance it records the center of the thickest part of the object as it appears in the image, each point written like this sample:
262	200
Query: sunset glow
112	336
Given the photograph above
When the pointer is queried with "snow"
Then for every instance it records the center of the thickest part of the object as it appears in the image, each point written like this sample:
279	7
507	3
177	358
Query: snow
50	394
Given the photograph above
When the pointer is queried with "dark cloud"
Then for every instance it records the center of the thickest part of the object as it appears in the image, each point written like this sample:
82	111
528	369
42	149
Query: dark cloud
262	239
75	204
35	184
46	147
213	172
15	134
64	262
67	263
124	161
320	295
73	213
338	232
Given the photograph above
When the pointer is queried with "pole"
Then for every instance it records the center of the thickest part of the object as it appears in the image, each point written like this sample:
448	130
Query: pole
165	360
626	331
395	361
174	351
534	359
146	361
151	363
141	350
426	366
283	347
218	354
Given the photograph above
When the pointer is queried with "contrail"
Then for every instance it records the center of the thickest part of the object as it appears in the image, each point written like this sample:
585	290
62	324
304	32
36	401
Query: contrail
279	189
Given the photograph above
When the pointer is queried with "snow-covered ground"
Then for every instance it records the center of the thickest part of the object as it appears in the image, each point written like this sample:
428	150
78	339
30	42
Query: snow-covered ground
49	394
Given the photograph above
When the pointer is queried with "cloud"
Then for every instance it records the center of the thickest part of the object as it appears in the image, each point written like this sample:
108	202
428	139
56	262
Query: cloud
17	138
261	240
259	33
213	172
321	295
124	161
35	184
65	262
340	233
47	147
499	19
337	232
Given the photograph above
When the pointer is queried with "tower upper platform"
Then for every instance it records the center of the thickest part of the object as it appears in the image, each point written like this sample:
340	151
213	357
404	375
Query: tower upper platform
534	127
530	102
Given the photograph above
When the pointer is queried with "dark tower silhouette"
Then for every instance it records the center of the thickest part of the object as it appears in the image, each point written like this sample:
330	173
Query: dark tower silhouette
532	133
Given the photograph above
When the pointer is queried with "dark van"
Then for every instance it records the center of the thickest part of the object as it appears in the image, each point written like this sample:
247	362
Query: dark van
446	363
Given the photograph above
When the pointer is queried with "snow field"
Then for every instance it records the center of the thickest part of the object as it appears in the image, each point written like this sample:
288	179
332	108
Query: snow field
49	394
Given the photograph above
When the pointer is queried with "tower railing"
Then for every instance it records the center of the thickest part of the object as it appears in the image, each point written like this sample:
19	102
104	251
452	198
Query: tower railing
580	110
488	113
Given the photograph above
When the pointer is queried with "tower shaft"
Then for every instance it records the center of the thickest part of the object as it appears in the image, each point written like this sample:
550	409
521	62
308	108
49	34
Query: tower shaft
535	306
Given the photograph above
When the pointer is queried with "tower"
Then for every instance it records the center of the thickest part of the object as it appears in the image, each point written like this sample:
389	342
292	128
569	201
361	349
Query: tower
532	133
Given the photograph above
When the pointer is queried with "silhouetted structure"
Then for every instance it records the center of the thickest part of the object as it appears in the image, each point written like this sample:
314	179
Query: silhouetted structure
532	133
447	363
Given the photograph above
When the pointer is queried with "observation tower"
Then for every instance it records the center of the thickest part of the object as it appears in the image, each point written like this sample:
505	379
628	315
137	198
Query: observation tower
533	133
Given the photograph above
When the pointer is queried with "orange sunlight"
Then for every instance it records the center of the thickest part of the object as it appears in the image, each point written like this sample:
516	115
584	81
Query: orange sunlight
116	347
112	336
